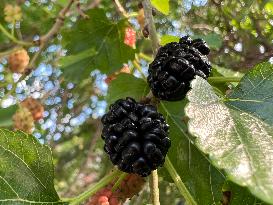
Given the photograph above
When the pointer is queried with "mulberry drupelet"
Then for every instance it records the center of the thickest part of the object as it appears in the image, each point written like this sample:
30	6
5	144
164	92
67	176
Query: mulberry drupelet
175	65
136	136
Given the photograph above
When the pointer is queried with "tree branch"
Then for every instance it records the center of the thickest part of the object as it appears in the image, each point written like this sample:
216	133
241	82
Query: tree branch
43	41
120	8
58	24
149	21
92	5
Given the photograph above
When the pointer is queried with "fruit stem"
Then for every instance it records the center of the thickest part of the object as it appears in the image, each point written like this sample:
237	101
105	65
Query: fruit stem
11	37
154	188
132	14
138	67
118	182
94	188
178	182
145	57
223	79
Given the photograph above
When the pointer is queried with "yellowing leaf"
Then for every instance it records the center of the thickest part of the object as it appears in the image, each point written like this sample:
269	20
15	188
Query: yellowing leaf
168	39
162	6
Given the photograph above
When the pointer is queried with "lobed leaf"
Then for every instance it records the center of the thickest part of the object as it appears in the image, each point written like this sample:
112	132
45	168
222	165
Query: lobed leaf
95	43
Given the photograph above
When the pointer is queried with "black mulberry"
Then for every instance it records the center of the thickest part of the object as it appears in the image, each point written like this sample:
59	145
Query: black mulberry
136	136
175	65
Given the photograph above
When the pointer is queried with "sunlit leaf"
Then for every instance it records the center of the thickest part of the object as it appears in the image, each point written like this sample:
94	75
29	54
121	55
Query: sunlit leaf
168	39
162	6
236	141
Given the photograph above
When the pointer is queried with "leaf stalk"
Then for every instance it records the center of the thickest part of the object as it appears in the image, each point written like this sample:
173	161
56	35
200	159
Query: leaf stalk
178	182
223	79
11	37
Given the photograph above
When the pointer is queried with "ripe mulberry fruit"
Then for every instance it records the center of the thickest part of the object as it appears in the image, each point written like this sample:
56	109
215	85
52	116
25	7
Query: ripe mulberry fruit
130	37
130	186
175	65
35	107
18	61
136	136
23	120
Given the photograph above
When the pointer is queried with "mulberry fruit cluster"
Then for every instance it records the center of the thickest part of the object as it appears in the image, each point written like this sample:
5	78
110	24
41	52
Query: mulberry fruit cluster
130	186
18	61
35	108
12	13
175	65
136	136
23	120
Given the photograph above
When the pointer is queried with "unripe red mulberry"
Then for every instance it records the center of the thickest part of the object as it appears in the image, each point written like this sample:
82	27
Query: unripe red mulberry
103	197
35	107
130	186
130	37
23	120
18	61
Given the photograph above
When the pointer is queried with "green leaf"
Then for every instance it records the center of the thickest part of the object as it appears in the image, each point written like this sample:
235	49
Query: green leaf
227	72
126	85
162	6
26	170
201	179
237	195
96	43
6	115
254	93
74	66
213	40
236	141
168	39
